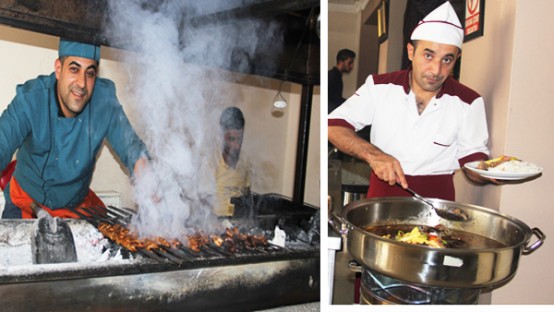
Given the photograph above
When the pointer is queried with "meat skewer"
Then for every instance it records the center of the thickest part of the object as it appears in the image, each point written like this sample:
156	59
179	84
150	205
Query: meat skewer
198	245
176	244
95	215
121	236
120	212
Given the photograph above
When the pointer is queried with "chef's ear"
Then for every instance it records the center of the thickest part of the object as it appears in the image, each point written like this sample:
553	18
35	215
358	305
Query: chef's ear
410	48
58	67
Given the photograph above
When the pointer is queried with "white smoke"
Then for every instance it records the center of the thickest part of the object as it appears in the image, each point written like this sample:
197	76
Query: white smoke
176	86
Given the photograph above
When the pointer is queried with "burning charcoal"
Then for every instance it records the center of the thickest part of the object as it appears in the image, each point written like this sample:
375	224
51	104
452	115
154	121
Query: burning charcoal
175	243
197	241
162	242
250	242
218	241
194	245
314	238
118	250
125	254
313	230
229	233
303	236
229	244
150	245
233	240
293	232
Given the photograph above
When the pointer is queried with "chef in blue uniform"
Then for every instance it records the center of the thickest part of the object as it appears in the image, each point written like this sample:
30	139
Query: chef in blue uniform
57	124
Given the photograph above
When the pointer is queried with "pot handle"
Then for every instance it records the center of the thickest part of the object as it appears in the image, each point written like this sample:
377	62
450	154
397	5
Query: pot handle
527	250
337	222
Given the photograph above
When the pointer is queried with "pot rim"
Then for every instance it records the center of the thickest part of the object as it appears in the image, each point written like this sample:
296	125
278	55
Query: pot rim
526	230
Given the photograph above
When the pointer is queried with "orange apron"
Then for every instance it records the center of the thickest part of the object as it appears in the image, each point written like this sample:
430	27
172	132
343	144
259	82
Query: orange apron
22	200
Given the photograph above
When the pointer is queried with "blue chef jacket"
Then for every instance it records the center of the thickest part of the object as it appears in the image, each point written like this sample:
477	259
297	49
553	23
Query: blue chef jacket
56	155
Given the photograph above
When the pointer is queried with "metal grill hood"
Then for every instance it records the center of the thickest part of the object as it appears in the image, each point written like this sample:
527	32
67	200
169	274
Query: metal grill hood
86	20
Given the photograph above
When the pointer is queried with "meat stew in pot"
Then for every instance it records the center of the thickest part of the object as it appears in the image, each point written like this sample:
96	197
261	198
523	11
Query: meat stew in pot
436	237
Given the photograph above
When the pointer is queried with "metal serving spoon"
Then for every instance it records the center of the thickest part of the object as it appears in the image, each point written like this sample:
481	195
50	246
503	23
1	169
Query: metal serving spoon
452	214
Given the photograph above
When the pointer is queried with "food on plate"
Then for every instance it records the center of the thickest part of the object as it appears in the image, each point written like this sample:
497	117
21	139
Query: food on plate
492	163
508	164
516	167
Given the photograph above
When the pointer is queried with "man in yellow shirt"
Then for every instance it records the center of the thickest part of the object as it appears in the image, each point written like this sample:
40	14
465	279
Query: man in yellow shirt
232	171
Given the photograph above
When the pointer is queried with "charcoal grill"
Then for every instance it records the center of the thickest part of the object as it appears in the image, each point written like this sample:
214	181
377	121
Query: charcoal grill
169	280
181	253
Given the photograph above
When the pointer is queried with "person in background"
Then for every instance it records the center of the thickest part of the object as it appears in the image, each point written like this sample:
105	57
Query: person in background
57	124
345	63
425	124
233	170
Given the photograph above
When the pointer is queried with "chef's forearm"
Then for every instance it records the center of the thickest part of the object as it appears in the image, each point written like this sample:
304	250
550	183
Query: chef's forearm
347	141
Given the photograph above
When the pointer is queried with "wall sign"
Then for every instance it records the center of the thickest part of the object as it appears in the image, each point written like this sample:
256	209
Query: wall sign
474	19
383	21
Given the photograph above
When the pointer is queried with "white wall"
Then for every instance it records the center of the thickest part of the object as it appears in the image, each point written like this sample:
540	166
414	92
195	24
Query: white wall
344	33
266	137
510	67
395	45
507	67
270	141
529	136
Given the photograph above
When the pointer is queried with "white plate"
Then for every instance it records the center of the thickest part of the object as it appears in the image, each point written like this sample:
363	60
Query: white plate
501	175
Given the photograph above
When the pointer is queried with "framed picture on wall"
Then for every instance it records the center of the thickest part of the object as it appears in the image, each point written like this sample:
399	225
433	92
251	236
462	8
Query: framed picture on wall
383	20
474	19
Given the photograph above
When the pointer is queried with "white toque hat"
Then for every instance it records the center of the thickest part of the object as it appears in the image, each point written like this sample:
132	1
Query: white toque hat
442	26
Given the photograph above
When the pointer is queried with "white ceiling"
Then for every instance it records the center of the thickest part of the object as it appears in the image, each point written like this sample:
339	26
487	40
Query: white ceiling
344	2
347	5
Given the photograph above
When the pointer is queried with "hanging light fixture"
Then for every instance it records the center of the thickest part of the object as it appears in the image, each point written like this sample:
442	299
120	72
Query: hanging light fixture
279	103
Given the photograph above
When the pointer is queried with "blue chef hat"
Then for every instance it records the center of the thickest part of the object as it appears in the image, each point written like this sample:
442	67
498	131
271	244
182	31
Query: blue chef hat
74	48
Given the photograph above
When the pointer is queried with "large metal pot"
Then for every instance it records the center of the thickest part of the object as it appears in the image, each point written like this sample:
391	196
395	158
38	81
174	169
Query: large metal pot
453	268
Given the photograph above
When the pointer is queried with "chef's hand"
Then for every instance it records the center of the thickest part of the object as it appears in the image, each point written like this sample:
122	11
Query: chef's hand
142	168
388	169
477	178
141	165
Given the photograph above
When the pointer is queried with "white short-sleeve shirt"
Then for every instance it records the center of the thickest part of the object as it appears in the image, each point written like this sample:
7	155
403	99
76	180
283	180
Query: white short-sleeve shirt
452	126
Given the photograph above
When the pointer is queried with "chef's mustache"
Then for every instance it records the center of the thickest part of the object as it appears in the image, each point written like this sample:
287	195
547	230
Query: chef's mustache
433	76
79	91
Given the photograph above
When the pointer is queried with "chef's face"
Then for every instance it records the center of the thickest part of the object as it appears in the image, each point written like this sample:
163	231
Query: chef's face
432	63
76	78
232	144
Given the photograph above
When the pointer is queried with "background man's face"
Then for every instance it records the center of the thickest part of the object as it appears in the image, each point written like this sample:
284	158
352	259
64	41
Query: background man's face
232	142
347	65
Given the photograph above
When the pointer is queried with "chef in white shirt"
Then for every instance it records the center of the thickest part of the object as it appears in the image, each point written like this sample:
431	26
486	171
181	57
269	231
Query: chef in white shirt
424	123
